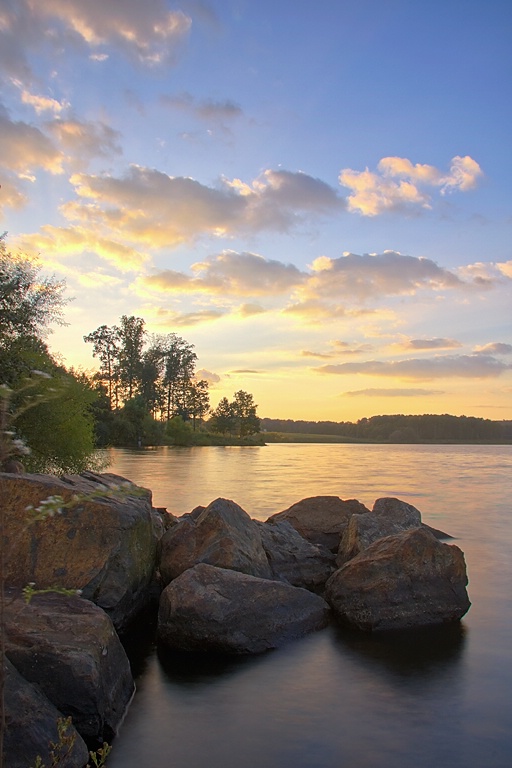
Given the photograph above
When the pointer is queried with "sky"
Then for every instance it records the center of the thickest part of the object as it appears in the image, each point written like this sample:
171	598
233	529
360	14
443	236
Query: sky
316	195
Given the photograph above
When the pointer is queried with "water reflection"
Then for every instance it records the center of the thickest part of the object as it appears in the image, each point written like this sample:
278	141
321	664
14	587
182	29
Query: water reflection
413	655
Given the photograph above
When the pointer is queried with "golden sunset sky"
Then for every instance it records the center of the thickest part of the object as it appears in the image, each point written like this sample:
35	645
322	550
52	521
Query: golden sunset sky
315	194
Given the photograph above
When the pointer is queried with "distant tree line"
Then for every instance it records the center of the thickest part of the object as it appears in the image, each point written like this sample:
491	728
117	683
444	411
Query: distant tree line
399	428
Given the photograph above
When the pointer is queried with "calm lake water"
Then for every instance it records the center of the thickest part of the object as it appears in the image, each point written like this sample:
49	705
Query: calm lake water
338	699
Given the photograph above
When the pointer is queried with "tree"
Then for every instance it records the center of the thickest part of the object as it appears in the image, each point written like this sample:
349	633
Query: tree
105	343
223	418
29	303
179	361
197	400
131	338
244	410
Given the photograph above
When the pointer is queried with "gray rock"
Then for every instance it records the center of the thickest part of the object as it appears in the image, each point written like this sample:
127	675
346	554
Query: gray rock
31	724
406	580
293	558
105	547
389	516
218	610
70	649
321	519
222	535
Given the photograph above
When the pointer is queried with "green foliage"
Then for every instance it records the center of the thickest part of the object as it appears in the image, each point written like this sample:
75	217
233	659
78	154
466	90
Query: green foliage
178	431
29	303
236	417
62	749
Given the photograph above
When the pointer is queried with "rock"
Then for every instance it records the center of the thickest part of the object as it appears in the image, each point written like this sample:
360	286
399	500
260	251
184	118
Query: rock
31	724
217	610
222	535
105	547
389	516
70	649
321	519
406	580
293	558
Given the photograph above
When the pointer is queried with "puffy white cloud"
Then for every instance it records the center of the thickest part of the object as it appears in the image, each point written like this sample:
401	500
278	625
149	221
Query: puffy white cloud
148	206
399	185
465	366
370	276
209	376
42	103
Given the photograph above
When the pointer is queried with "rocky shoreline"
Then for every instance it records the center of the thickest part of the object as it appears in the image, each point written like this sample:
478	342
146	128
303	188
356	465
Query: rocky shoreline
223	582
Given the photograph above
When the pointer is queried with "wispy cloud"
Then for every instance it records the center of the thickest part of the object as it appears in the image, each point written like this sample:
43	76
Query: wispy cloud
466	366
426	344
395	392
400	185
205	109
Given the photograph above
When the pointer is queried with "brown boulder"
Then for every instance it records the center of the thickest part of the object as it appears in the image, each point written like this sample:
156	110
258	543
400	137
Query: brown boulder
217	610
406	580
31	725
70	649
106	547
389	516
293	559
223	535
321	519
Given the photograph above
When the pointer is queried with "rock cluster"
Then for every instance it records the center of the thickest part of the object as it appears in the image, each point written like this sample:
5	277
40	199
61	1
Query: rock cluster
226	583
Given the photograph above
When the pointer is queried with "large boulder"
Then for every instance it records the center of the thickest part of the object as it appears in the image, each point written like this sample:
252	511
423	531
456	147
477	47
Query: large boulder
406	580
31	724
106	546
293	558
70	649
222	534
389	516
321	519
218	610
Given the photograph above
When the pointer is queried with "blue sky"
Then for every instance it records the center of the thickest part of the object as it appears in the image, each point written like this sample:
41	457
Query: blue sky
316	195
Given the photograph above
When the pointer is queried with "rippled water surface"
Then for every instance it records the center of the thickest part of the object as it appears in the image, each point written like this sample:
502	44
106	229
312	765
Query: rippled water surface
336	699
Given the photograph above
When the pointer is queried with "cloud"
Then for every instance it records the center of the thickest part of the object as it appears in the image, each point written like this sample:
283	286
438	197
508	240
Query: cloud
211	378
147	32
465	366
169	318
83	141
24	148
206	109
43	103
398	392
427	344
399	185
73	241
370	276
250	310
150	207
494	348
229	273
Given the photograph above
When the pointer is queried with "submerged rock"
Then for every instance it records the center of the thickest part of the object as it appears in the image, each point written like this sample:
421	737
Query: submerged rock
70	649
406	580
224	611
321	519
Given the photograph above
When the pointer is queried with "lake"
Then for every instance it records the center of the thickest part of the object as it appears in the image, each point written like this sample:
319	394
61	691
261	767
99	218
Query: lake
440	697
